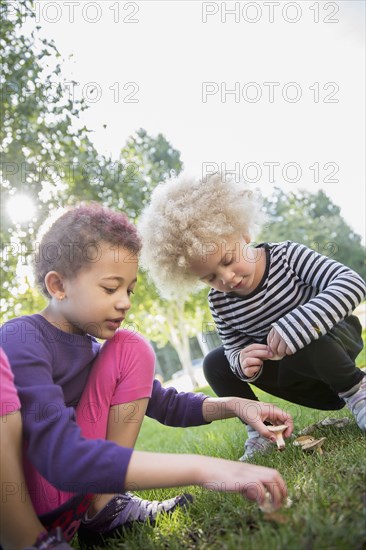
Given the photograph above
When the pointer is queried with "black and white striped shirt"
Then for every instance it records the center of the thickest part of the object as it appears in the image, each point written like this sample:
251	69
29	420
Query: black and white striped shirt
302	294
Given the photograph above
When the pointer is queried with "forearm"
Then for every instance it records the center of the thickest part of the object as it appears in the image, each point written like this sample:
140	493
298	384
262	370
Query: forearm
219	408
153	470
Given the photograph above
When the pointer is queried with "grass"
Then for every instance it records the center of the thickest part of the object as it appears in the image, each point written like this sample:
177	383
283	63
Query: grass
328	492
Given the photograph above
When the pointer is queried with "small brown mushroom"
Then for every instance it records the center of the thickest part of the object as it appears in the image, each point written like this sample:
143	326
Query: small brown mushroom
303	440
325	423
278	431
334	422
314	445
267	506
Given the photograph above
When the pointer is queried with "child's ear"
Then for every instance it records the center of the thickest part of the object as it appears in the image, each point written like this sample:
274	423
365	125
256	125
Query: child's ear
247	238
54	284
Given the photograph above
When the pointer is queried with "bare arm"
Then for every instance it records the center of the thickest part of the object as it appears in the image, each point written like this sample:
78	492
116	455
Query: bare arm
251	412
153	470
13	501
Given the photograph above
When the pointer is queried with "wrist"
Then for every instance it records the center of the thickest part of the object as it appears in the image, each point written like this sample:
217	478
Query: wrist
198	472
205	471
220	408
234	405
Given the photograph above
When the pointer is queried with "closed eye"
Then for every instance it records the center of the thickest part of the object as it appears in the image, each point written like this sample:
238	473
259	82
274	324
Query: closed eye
227	261
109	290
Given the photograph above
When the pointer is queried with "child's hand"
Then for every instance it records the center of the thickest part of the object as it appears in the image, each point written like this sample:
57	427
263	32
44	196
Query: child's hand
248	479
255	413
252	357
277	345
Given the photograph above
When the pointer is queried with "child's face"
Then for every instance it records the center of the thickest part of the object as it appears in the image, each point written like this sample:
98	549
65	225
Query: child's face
98	298
231	266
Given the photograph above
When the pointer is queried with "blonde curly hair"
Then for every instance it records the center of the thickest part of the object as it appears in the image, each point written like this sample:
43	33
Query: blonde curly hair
185	214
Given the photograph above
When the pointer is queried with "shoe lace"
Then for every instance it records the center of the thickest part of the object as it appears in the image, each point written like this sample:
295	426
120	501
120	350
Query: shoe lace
49	540
138	509
358	397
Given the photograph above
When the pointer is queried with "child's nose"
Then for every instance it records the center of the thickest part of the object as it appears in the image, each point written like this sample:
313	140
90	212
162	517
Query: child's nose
227	276
123	303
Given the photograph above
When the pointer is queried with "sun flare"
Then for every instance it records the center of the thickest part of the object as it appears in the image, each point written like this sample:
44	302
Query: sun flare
21	208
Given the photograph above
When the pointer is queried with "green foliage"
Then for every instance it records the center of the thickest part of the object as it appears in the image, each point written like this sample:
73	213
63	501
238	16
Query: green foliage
43	147
314	220
145	162
39	134
48	154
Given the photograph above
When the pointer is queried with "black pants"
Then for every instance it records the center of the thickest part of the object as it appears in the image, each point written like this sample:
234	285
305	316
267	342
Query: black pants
312	376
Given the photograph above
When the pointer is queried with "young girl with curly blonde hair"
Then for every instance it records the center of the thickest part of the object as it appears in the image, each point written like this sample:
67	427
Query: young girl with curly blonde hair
283	311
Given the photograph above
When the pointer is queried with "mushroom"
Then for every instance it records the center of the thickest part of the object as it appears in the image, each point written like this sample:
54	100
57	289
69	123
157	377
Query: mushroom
335	422
276	357
303	440
314	445
267	506
278	431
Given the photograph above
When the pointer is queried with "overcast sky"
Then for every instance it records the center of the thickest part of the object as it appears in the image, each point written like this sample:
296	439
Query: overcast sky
272	89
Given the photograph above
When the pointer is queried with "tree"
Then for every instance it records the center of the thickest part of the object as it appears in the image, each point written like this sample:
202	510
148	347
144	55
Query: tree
48	154
173	321
314	220
43	146
149	161
144	162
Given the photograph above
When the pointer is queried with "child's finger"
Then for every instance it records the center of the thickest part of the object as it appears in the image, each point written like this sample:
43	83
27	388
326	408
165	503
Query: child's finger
277	490
260	354
281	348
276	416
250	371
254	349
262	429
255	491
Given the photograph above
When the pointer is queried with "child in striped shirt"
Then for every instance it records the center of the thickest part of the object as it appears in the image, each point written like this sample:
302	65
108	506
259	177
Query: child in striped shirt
283	311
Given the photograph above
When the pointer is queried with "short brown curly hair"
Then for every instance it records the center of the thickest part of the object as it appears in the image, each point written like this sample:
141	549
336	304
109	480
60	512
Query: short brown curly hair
66	243
186	213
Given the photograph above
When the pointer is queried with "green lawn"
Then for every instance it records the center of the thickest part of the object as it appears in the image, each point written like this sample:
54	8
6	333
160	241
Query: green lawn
328	492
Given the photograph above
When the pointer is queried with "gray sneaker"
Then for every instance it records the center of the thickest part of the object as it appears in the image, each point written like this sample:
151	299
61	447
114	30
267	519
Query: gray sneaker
255	444
123	511
54	539
357	404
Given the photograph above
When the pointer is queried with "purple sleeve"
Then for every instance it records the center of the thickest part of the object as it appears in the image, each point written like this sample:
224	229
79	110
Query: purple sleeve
171	408
55	445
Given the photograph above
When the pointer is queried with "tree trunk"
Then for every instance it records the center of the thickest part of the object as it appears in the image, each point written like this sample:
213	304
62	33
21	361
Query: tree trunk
180	339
